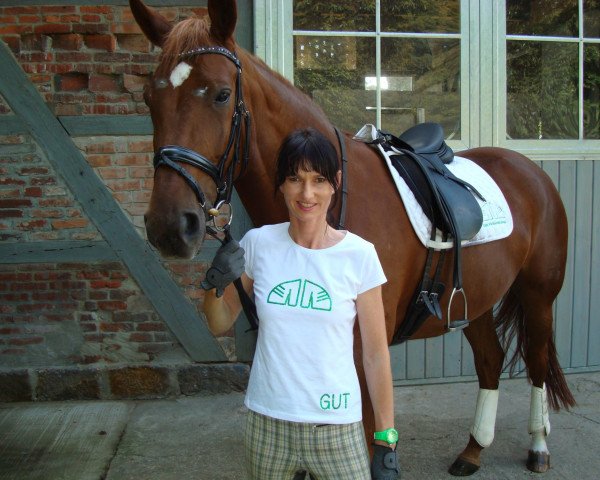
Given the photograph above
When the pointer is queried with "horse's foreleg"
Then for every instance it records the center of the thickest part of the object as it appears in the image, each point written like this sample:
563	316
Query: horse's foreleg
489	357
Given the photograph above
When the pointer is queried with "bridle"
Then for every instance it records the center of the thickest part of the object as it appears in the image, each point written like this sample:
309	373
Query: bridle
172	156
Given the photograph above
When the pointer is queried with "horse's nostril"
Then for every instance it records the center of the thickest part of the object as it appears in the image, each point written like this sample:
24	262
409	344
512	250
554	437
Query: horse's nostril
190	226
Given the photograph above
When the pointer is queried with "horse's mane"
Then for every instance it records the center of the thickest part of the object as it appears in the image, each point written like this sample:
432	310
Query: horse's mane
185	36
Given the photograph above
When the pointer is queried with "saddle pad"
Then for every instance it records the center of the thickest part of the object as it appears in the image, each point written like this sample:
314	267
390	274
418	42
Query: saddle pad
497	218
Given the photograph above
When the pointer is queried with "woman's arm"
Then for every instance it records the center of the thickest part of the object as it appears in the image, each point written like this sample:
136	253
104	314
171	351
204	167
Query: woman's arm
221	312
376	357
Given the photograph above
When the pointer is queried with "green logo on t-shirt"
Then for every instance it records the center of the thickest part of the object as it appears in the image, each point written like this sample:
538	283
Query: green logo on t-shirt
303	293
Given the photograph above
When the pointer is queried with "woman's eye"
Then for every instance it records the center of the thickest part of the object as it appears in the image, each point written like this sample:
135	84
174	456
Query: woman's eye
223	96
321	179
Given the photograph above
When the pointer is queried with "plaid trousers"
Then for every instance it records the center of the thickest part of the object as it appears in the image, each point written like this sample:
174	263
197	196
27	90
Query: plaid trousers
278	449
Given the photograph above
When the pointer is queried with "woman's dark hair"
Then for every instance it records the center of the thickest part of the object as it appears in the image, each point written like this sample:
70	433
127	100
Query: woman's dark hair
307	149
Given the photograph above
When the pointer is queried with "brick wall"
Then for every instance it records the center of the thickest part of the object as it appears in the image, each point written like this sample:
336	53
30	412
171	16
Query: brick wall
73	330
84	59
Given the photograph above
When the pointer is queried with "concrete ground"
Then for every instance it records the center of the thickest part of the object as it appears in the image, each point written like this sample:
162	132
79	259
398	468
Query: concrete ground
201	437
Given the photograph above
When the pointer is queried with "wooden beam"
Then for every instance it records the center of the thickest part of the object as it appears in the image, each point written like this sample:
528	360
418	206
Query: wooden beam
76	251
99	205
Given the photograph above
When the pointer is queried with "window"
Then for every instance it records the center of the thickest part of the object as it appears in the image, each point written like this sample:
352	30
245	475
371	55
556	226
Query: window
522	74
389	63
552	69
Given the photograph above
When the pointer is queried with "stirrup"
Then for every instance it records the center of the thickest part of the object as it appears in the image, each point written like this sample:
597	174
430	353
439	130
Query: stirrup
463	322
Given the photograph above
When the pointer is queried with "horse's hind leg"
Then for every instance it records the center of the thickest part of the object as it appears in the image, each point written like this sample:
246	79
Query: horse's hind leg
489	357
538	349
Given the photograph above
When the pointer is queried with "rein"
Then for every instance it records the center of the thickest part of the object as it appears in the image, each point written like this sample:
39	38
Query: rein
172	155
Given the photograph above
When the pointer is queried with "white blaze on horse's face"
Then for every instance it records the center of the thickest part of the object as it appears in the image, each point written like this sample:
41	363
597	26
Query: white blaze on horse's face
179	74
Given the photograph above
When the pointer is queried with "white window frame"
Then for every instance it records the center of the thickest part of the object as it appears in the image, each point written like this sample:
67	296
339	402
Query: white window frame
483	74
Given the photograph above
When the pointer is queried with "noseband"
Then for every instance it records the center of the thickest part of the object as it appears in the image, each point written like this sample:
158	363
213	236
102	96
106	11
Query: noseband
173	155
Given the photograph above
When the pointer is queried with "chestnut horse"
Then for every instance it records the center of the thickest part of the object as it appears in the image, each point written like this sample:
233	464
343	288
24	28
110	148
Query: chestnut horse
204	91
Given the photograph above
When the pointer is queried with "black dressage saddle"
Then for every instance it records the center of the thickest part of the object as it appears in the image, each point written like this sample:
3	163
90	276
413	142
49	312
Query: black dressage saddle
420	156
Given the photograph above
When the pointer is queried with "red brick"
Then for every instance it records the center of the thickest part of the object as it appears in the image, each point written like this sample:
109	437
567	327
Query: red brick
33	171
11	213
20	10
105	283
68	224
58	9
91	18
52	28
73	57
90	28
99	160
71	82
95	9
15	29
69	41
134	43
15	202
140	337
13	42
33	192
112	305
30	19
100	42
104	83
69	18
43	181
11	181
31	225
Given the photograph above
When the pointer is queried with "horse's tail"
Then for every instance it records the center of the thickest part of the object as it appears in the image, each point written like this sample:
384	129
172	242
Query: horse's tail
510	324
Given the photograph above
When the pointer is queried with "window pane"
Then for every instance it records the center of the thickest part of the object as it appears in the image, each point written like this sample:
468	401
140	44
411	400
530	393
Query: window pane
591	18
420	82
542	90
591	92
542	17
334	71
341	15
422	16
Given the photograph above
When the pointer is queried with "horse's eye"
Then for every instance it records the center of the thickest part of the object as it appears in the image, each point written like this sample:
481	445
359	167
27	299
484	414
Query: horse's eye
223	96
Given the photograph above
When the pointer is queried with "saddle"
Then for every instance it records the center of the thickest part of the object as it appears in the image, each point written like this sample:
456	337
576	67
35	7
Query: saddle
420	156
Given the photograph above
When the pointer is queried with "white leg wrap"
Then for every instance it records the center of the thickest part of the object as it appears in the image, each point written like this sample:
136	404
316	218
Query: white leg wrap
485	417
539	419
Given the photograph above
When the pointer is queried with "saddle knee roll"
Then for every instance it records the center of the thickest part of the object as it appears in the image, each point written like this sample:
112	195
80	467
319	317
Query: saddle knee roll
485	417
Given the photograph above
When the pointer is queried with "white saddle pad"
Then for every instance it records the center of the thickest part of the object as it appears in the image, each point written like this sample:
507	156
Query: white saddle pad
497	218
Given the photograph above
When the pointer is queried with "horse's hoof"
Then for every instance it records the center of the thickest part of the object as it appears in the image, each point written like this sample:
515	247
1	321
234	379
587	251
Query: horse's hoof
462	468
538	462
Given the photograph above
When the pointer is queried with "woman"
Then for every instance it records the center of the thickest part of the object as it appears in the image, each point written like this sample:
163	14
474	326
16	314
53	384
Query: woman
310	283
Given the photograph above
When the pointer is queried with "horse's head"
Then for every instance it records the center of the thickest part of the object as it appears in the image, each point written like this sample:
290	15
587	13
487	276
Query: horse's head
198	115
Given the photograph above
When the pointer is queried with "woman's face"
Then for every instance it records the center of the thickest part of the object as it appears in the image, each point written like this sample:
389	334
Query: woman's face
307	195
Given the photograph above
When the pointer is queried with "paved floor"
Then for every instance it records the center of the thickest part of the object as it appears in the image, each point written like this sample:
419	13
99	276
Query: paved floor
201	437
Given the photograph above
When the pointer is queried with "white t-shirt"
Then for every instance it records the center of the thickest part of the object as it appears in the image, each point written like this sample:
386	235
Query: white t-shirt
303	369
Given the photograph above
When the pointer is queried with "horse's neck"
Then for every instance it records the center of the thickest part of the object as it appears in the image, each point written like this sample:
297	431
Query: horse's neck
277	108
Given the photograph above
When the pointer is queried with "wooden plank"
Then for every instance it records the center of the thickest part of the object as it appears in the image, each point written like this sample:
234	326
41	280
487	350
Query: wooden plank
594	330
398	360
11	125
89	125
56	252
415	359
452	355
564	302
434	357
99	205
582	261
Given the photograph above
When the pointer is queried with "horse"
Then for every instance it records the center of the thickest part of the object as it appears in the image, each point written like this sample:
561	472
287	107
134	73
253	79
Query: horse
220	114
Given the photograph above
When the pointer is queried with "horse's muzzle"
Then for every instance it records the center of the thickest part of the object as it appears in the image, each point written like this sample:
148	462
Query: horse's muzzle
180	236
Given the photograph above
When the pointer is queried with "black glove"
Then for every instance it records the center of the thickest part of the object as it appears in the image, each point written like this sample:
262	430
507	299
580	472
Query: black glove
227	266
384	465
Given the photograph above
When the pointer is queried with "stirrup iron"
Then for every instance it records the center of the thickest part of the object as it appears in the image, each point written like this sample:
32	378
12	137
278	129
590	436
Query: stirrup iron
460	323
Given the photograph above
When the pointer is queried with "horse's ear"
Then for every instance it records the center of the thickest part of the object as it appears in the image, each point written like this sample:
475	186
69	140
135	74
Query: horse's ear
152	23
223	17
